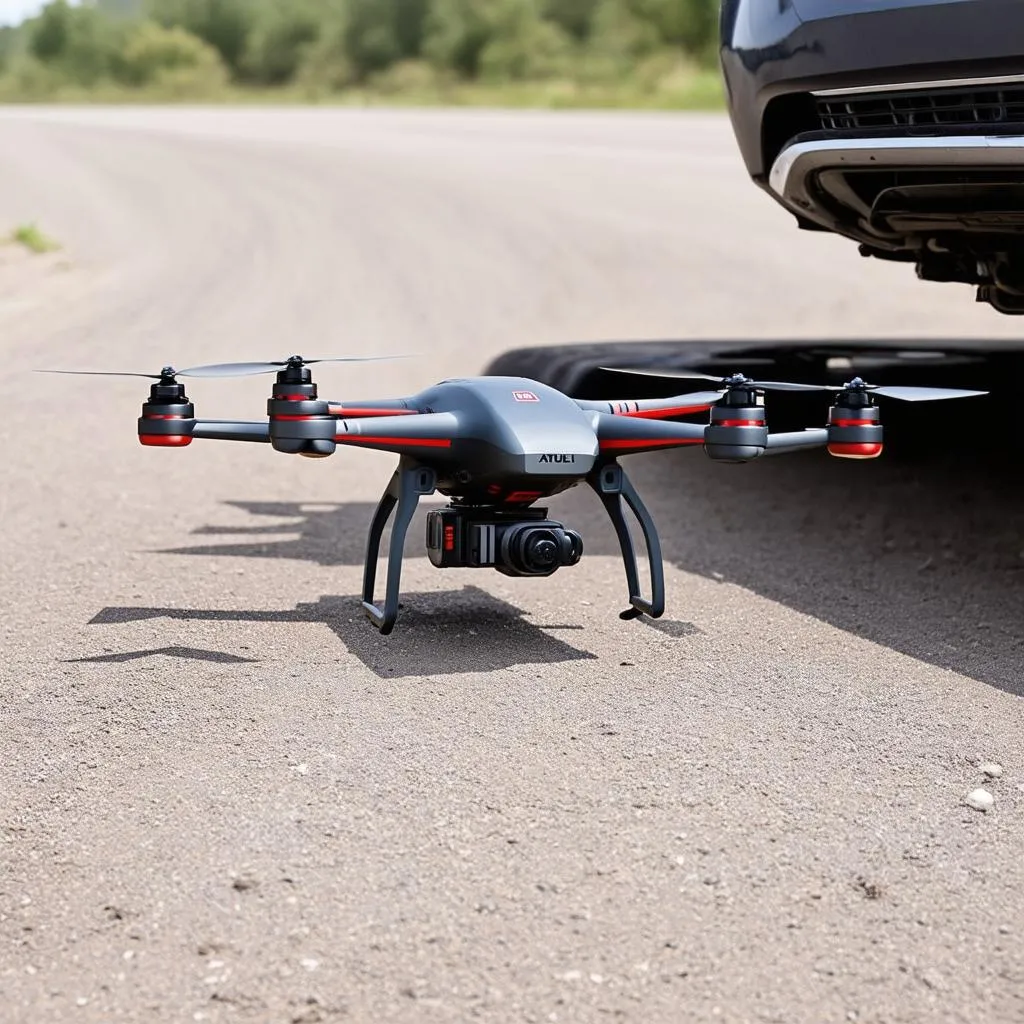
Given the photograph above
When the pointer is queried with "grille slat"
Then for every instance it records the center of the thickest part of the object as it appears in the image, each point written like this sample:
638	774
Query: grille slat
968	107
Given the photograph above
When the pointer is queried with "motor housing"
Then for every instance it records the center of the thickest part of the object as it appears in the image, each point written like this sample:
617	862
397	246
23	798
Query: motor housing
168	418
300	424
738	431
854	429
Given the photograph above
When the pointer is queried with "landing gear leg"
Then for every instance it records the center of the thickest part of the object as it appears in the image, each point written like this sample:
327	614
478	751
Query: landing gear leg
409	483
613	487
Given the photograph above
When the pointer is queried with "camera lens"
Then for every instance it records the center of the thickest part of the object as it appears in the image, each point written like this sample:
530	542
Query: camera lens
541	551
529	549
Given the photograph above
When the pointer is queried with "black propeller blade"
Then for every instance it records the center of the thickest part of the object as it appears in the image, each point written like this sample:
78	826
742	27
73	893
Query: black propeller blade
218	370
113	373
672	374
735	381
738	381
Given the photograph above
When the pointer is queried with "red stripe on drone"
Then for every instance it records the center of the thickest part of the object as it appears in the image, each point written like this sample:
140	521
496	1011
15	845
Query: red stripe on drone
657	414
739	423
660	442
413	442
346	411
855	423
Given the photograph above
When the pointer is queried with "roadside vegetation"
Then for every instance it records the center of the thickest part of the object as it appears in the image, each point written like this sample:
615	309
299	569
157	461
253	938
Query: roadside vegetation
535	53
30	237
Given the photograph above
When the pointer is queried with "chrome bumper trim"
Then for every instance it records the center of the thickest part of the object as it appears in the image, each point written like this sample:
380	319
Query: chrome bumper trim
794	175
945	83
793	167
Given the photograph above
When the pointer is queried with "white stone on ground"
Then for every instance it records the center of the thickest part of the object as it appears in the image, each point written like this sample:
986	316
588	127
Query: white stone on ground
980	800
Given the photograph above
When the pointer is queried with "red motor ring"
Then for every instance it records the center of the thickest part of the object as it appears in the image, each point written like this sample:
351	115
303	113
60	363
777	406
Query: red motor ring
166	424
854	433
300	423
736	433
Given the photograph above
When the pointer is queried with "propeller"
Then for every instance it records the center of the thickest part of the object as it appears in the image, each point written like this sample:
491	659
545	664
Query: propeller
294	362
168	374
215	370
739	382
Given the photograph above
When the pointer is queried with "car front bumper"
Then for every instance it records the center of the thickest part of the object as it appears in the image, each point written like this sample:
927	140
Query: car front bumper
778	55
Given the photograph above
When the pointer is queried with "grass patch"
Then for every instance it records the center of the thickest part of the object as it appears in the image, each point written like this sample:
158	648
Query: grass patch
692	89
29	236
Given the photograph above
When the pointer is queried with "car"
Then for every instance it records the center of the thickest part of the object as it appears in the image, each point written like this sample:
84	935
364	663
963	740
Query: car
898	124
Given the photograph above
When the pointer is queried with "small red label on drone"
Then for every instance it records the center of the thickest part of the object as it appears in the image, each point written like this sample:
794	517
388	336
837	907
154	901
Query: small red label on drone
525	396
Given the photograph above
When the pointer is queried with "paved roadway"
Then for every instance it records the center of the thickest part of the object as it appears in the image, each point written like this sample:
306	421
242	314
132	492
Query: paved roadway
516	808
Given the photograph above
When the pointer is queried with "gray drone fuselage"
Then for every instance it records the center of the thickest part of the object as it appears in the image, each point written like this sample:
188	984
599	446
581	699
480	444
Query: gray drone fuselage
514	437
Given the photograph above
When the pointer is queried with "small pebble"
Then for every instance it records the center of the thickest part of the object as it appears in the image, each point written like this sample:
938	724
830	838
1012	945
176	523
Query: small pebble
980	800
992	770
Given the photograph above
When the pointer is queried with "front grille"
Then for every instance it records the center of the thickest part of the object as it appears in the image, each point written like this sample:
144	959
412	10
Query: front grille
937	108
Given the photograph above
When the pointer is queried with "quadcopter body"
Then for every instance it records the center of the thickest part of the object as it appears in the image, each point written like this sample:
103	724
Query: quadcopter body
496	446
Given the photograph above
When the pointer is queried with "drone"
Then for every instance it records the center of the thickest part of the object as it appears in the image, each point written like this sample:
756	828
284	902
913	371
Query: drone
495	446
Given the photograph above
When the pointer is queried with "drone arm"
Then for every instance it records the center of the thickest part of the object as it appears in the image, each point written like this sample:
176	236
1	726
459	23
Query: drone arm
231	430
416	436
626	435
797	440
648	408
373	408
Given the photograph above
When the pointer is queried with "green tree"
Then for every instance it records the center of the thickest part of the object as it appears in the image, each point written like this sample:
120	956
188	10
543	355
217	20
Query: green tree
154	55
573	16
80	43
224	24
622	35
280	40
369	37
8	43
410	26
121	8
522	45
689	24
456	34
51	32
366	37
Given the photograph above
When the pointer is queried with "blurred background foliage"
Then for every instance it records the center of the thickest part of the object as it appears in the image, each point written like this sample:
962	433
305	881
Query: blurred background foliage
658	53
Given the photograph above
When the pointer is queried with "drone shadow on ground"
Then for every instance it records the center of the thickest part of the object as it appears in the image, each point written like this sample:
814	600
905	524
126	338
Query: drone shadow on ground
325	534
181	653
481	633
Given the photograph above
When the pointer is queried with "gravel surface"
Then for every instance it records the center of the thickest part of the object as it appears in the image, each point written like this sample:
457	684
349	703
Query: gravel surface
225	798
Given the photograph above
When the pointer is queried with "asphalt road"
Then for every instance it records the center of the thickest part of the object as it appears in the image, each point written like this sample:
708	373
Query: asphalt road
223	797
